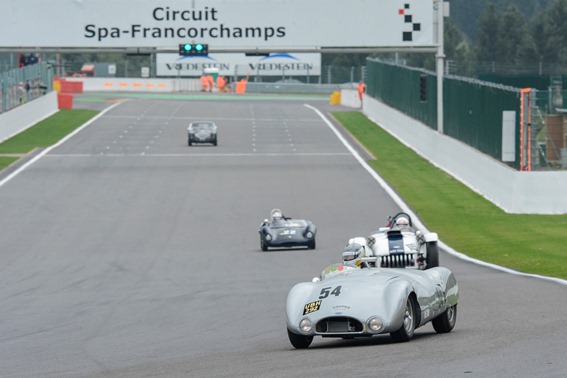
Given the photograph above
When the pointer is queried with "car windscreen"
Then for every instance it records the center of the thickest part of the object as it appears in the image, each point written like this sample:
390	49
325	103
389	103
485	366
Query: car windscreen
202	126
289	223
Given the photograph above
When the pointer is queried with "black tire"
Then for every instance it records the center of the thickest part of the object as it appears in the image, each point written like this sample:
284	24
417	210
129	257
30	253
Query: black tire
311	244
263	246
189	142
445	322
299	341
432	258
215	142
405	333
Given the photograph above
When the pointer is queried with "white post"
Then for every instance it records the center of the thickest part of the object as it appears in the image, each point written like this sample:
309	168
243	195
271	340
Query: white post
440	56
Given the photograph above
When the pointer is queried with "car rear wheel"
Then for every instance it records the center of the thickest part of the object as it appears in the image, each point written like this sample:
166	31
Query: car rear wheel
405	333
299	341
432	257
445	322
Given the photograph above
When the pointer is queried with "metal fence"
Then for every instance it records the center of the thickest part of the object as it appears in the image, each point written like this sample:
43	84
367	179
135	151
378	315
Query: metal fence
473	111
18	86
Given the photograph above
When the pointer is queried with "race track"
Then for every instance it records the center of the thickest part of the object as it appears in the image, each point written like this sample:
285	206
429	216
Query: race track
126	253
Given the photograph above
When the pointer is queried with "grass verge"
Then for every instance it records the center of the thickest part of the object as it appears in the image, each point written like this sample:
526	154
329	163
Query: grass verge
46	132
464	220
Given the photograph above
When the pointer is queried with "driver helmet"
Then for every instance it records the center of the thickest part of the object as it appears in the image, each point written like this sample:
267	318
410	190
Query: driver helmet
354	251
402	223
277	215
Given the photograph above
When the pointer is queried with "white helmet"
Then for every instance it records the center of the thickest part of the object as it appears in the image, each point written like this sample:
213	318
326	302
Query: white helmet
276	214
402	223
354	251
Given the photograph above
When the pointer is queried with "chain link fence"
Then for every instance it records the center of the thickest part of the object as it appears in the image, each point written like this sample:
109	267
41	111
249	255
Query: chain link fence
20	85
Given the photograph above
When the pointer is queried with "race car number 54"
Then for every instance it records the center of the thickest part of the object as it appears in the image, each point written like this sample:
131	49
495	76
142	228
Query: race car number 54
326	291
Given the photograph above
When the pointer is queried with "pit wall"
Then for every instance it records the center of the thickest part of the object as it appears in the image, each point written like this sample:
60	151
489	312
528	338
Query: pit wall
516	192
24	116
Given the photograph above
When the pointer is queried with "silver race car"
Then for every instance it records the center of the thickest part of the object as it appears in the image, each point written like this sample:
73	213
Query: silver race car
284	232
348	302
398	245
202	132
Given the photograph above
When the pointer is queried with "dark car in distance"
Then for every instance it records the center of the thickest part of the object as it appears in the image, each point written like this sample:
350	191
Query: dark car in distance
202	132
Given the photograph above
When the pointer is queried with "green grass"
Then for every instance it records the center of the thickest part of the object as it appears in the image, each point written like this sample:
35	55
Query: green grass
6	161
46	132
463	219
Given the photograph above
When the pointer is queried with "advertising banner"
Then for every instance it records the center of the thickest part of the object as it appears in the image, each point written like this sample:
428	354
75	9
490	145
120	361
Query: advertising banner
222	24
238	64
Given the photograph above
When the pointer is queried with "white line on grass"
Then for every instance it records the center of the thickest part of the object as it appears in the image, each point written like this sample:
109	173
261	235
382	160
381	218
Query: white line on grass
42	153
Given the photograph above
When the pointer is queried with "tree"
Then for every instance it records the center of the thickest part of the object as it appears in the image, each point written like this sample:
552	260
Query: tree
555	33
514	36
488	45
458	50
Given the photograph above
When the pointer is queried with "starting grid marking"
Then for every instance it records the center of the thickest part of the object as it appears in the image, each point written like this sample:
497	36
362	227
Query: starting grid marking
152	118
199	155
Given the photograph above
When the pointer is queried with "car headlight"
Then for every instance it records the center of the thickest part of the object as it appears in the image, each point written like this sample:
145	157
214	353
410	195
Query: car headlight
305	325
268	237
375	324
309	234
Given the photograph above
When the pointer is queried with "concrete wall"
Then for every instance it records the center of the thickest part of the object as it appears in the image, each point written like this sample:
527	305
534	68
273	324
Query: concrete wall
97	84
18	119
350	97
513	191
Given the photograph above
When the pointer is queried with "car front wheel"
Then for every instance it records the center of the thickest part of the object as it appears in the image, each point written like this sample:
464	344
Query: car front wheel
299	341
405	333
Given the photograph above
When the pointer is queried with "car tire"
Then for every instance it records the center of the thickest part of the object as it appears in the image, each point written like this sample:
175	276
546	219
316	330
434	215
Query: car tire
311	244
263	246
189	142
445	322
299	341
405	333
432	258
215	143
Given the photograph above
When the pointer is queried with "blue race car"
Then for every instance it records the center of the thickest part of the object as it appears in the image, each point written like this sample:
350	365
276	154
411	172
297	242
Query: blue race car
284	232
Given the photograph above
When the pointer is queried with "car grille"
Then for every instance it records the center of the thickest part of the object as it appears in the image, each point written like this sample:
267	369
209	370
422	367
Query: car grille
339	324
398	261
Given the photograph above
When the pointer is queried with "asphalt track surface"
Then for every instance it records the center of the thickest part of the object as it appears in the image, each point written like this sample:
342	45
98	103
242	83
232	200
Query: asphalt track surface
126	253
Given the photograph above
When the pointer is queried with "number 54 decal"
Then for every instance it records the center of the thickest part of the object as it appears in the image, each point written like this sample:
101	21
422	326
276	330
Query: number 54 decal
326	291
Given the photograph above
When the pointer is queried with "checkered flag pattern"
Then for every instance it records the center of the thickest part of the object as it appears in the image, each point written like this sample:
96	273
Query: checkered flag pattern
405	12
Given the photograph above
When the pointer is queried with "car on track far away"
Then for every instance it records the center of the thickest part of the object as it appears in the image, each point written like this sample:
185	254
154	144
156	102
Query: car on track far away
283	232
202	132
348	302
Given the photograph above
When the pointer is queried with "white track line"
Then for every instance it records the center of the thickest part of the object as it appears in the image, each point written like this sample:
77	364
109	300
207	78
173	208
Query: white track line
414	217
42	153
